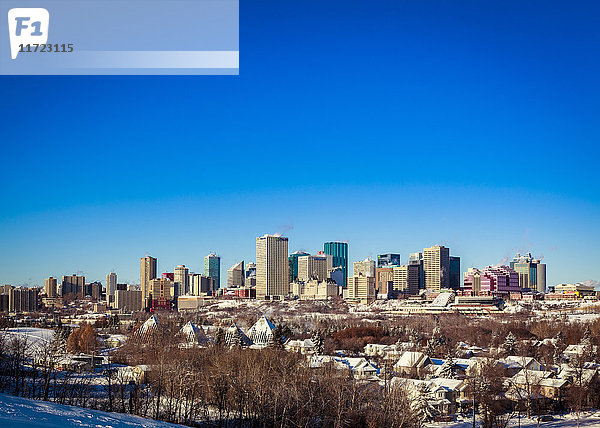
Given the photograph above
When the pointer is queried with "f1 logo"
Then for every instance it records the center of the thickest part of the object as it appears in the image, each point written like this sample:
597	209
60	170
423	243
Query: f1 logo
27	25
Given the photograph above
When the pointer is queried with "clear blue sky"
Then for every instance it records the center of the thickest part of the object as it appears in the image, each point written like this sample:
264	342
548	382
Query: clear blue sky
393	125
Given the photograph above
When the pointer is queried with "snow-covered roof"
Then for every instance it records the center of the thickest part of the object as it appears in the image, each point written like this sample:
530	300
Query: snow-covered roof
412	359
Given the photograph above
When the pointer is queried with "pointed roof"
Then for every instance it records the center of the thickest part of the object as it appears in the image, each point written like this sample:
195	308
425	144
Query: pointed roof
193	333
235	336
151	324
262	331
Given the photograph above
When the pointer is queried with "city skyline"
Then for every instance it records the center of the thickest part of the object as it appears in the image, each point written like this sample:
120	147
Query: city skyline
159	271
473	126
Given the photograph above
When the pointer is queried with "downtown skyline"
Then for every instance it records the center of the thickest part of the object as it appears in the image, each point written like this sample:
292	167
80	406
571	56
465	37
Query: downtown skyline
474	126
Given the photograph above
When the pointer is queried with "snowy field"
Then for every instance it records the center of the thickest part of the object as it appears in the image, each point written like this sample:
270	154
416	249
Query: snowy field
35	336
586	420
16	412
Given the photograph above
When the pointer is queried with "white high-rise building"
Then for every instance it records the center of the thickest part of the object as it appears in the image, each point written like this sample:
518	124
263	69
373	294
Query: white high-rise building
314	267
365	267
436	265
272	267
111	284
147	273
181	277
235	275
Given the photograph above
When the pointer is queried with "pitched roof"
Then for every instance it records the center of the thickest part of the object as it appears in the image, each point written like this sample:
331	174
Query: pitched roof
193	333
235	336
262	331
412	359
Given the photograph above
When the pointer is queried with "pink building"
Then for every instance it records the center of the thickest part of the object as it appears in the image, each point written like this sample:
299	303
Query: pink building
492	280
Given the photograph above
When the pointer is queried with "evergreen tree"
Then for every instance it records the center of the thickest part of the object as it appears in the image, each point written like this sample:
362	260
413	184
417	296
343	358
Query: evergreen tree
510	344
220	337
319	342
277	339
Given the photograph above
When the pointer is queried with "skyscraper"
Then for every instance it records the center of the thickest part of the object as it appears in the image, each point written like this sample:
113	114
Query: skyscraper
50	287
406	279
313	267
212	268
532	272
365	267
235	275
181	277
388	260
455	272
111	284
147	273
416	259
293	260
73	284
272	267
339	251
436	264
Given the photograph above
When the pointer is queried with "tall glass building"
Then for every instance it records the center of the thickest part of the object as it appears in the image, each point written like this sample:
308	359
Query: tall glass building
212	268
339	251
293	260
387	260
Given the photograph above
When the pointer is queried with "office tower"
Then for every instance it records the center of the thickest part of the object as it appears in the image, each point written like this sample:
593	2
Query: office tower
111	284
22	299
436	264
293	261
212	268
455	272
406	279
492	280
365	267
313	267
272	267
387	260
339	251
4	296
337	274
147	273
361	287
201	285
181	278
532	272
50	287
93	289
73	284
417	260
235	275
384	279
251	270
162	291
128	300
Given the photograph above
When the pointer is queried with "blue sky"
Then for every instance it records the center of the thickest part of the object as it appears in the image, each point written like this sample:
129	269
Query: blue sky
393	126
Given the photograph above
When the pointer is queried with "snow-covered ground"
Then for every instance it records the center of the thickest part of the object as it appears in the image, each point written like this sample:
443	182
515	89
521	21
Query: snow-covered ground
36	337
586	420
16	412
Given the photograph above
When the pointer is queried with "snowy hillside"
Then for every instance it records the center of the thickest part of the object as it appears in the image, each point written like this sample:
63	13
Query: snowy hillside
16	412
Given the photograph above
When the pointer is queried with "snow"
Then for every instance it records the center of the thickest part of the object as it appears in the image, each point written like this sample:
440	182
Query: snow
586	420
17	412
36	337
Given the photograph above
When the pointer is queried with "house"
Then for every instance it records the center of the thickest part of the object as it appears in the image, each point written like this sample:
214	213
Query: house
303	347
528	363
412	364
